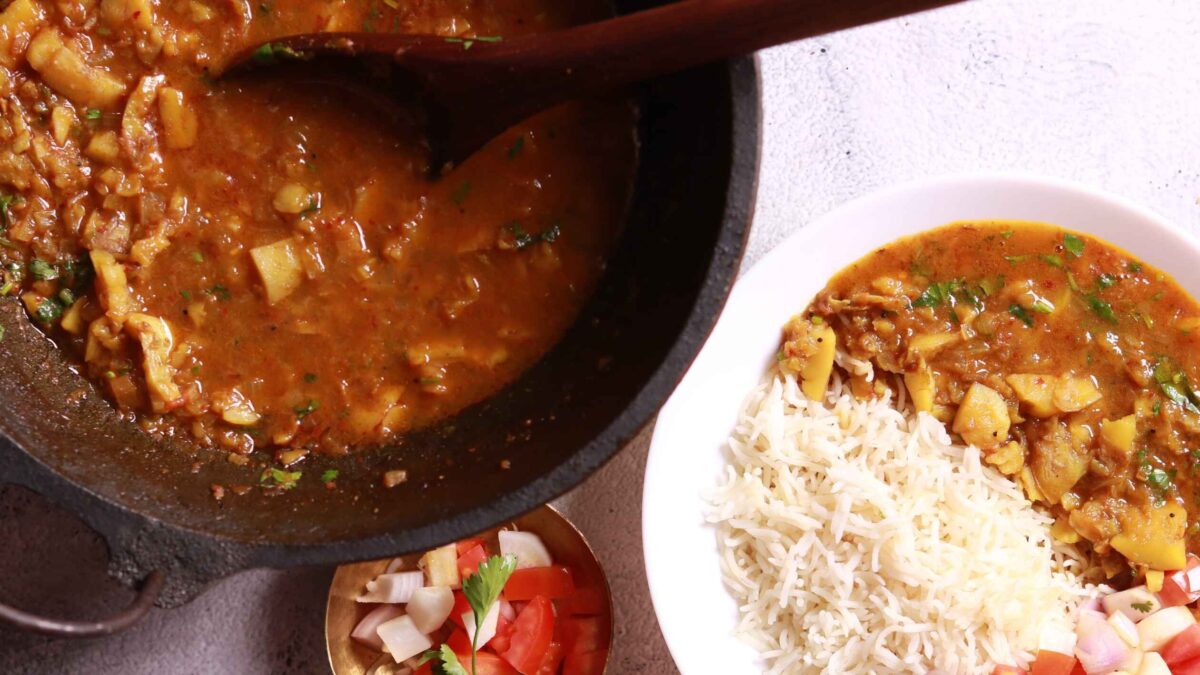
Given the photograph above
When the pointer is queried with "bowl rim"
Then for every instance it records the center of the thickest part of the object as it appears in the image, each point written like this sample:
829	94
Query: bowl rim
670	531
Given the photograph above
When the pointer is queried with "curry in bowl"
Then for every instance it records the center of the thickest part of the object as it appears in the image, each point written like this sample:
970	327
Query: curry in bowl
265	264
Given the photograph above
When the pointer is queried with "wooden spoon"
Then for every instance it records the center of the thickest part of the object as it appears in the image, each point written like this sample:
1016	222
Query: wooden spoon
468	90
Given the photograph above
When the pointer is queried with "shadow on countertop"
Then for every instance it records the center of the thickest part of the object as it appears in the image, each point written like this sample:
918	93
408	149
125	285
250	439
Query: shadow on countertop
261	621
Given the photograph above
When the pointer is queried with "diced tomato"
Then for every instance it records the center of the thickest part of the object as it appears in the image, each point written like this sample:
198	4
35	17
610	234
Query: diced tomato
486	663
1189	668
552	660
581	635
1182	648
459	641
461	606
531	635
467	544
1052	663
424	669
1182	587
586	663
500	642
585	602
553	583
1008	670
468	563
1078	669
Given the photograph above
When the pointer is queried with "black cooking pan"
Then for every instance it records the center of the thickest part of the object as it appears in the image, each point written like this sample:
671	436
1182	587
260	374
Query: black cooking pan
665	284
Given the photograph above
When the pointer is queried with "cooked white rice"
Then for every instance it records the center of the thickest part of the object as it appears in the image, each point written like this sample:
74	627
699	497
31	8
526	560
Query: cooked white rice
857	539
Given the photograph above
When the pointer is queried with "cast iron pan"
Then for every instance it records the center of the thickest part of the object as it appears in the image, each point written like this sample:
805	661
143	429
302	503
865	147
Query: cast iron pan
661	294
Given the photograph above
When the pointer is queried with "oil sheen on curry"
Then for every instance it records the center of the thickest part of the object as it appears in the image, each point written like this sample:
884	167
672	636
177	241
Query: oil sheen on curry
1067	361
265	263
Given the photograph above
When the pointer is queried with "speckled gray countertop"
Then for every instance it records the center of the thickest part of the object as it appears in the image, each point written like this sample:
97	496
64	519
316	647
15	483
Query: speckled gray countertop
1105	92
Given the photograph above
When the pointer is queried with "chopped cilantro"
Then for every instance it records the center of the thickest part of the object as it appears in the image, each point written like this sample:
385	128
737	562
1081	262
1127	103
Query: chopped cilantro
187	296
1143	607
1157	408
197	257
314	205
307	409
515	148
219	292
5	202
1007	234
1073	283
92	114
460	193
67	297
1101	308
1175	385
1106	280
1021	313
329	475
279	478
310	377
1134	266
1014	259
1042	306
272	52
1158	296
1052	260
49	310
42	270
1073	244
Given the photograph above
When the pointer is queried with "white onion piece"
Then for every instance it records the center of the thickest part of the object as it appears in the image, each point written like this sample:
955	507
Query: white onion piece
1156	630
1099	648
429	607
395	588
1125	628
1133	661
527	546
1153	664
402	639
487	631
1092	604
1125	600
506	610
365	633
394	565
1057	640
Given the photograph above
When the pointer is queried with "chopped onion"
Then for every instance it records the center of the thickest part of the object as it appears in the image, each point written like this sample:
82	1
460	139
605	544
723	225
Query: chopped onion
1133	661
1125	600
506	610
1156	630
488	630
1099	648
365	633
394	588
394	565
527	546
1125	628
1153	664
429	607
402	639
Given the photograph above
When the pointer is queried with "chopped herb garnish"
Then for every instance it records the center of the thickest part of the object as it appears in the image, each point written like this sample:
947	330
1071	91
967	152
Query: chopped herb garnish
1159	479
42	270
93	114
279	478
310	377
1073	244
49	310
482	589
1021	313
314	205
431	380
1007	234
1143	607
5	202
1157	408
935	295
329	475
67	297
1052	260
272	52
1134	266
197	257
1175	385
307	409
1101	308
1106	280
219	292
1042	306
515	148
187	296
550	234
460	193
1073	283
445	661
1014	259
1158	296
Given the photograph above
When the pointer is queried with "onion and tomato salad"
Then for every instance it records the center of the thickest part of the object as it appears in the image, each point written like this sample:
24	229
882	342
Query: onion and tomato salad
1148	629
532	617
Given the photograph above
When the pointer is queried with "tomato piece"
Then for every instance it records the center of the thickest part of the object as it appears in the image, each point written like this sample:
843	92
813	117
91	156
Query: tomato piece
531	635
553	583
468	563
1182	648
500	642
1052	663
466	545
582	635
552	660
1182	587
424	669
586	663
1188	668
1078	669
1008	670
585	602
486	663
459	642
461	606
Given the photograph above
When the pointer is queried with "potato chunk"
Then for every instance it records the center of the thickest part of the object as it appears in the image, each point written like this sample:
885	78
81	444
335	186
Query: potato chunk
1057	461
17	23
179	121
111	285
982	418
1155	539
808	351
920	388
1072	394
65	70
279	268
1036	392
1119	434
154	335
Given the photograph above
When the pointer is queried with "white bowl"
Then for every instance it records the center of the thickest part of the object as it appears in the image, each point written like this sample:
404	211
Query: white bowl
695	612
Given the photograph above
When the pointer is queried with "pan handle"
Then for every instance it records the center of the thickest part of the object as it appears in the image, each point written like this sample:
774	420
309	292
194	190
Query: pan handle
86	629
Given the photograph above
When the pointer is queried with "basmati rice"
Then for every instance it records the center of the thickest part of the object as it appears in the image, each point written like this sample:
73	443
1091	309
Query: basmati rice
859	539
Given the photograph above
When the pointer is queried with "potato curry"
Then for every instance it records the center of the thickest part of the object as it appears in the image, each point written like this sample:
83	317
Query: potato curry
265	263
1068	362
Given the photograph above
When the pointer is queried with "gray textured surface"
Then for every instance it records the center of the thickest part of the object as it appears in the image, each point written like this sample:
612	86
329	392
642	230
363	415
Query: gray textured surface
1106	92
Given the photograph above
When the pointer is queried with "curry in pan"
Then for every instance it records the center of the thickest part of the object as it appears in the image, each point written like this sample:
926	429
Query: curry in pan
255	264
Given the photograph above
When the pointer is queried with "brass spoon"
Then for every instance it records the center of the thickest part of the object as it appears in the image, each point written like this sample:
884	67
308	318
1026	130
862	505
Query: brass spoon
467	90
566	544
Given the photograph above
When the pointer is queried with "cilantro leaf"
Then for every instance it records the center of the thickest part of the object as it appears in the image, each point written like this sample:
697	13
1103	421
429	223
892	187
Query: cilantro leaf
5	202
1052	260
1073	244
1175	385
307	409
1021	313
279	478
445	661
42	270
1101	308
329	475
1143	607
483	588
1106	280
